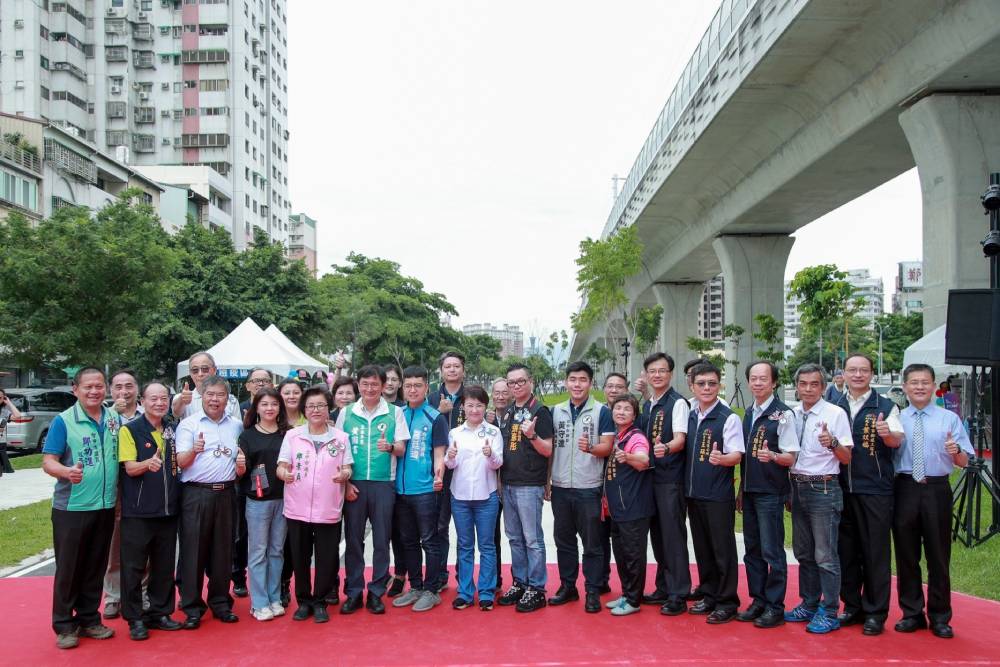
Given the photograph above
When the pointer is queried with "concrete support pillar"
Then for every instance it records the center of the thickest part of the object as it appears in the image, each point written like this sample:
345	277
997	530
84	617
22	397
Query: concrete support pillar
680	303
753	269
955	141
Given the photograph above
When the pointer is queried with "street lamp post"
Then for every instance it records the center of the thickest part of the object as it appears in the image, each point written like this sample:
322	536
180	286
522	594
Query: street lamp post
881	327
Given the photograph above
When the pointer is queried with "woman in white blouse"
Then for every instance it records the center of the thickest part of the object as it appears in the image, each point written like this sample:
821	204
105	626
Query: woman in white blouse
475	453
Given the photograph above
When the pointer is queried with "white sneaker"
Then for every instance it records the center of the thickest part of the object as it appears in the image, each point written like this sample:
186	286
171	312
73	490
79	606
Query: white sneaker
617	602
264	614
277	609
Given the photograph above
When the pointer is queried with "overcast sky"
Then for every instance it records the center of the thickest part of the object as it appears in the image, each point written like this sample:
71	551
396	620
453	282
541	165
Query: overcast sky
474	142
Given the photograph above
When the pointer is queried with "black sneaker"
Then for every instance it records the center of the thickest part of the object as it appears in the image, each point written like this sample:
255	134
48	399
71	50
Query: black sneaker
460	603
286	593
512	596
486	605
396	587
532	600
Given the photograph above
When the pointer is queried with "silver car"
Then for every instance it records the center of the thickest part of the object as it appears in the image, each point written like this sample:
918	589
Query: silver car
38	408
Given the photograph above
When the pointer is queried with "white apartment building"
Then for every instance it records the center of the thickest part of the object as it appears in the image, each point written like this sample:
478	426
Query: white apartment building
163	82
510	337
302	240
711	313
866	287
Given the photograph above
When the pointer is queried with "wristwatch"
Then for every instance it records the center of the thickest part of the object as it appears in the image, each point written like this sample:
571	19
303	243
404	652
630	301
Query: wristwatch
834	444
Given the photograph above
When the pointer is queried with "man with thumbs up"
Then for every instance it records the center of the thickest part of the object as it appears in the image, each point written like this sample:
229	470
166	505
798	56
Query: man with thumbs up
867	482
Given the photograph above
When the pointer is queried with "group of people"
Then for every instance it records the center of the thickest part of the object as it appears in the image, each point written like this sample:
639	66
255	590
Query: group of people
255	495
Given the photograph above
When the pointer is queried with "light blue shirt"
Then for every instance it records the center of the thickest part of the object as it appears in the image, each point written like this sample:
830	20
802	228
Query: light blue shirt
218	462
937	423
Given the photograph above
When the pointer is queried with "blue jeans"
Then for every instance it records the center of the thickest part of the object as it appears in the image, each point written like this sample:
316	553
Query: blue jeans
417	518
522	521
764	539
475	521
265	549
816	508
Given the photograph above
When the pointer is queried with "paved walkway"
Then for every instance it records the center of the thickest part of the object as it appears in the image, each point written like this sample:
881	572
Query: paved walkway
24	487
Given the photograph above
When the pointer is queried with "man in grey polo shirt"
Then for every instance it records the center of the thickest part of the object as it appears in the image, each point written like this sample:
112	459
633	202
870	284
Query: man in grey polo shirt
210	461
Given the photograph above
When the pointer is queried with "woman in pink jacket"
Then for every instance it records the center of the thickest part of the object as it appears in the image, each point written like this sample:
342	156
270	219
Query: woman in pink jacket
315	464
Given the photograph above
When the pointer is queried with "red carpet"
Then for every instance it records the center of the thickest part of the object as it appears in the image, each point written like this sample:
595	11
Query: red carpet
553	636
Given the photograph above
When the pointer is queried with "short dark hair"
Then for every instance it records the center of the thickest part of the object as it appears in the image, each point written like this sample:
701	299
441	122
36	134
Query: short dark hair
810	368
288	381
705	368
255	369
214	381
343	380
861	355
631	400
616	374
415	372
316	390
918	368
451	353
770	364
657	356
694	362
153	383
394	368
477	393
250	418
371	371
518	367
87	370
580	367
126	371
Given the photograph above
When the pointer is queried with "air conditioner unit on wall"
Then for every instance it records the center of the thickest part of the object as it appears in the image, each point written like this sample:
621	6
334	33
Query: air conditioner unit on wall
116	90
143	96
165	113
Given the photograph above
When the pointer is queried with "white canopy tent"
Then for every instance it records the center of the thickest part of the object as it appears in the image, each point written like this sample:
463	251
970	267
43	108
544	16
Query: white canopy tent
248	346
930	350
304	360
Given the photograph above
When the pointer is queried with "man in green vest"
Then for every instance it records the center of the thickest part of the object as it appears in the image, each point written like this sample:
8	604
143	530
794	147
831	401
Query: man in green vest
81	452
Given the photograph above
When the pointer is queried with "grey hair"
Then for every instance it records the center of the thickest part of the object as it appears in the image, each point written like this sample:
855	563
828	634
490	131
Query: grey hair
214	381
810	368
202	353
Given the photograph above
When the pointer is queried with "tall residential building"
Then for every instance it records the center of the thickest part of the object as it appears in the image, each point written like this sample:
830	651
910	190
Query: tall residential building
711	314
163	82
909	295
866	287
510	337
302	239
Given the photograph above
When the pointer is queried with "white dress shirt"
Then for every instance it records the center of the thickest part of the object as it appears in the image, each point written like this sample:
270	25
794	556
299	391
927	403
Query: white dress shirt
475	476
892	419
732	430
218	462
679	417
814	458
196	407
788	436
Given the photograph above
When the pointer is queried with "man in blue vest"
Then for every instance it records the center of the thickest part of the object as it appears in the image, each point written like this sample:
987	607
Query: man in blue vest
771	446
81	452
867	482
664	420
584	435
449	400
714	447
419	481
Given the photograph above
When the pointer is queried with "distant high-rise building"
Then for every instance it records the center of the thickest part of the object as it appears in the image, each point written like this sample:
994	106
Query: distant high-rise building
712	314
510	337
302	239
866	287
163	82
909	295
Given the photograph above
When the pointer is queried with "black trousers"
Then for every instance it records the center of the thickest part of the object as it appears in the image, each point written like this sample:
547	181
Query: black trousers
323	539
864	548
606	544
82	541
497	533
628	539
578	512
241	543
922	519
206	542
152	541
668	534
399	562
374	503
444	528
712	532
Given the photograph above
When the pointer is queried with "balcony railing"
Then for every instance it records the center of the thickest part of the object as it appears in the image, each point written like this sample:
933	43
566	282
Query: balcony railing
20	157
72	163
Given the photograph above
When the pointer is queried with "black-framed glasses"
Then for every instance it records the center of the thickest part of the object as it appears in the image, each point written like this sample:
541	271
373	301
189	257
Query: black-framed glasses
517	383
260	381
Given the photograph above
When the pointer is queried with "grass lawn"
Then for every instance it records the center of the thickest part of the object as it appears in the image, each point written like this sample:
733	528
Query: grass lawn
25	531
25	462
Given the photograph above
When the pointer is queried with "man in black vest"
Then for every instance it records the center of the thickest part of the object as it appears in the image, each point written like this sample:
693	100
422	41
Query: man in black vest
150	494
867	481
714	447
771	446
664	420
449	400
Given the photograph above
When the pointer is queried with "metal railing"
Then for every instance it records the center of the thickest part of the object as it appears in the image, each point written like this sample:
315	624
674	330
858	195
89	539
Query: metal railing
20	157
72	163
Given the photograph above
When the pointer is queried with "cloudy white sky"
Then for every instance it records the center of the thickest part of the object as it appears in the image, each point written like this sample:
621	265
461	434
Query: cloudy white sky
474	142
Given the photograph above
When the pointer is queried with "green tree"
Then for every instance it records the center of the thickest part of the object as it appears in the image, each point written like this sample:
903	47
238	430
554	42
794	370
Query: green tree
807	349
898	333
78	288
700	346
826	297
596	355
770	332
647	330
482	354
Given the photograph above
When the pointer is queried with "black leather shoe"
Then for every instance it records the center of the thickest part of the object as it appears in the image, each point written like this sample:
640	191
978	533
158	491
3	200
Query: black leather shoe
847	619
320	614
563	595
396	587
703	608
656	597
910	625
752	613
240	590
720	616
286	593
673	608
942	630
137	631
771	618
593	603
694	596
873	626
227	617
604	589
351	605
191	623
163	623
374	604
333	599
303	612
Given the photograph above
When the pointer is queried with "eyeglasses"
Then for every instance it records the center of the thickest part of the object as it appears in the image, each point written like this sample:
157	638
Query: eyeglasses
260	381
657	371
707	384
317	407
517	383
201	369
371	385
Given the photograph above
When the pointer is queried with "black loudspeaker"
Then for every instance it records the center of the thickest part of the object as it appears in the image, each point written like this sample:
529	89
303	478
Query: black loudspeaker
972	337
